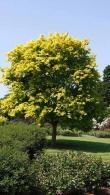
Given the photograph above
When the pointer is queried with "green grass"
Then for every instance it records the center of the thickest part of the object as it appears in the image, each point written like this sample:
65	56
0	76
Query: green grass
99	147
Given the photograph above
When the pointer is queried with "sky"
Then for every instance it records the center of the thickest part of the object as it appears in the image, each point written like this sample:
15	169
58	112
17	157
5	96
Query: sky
24	20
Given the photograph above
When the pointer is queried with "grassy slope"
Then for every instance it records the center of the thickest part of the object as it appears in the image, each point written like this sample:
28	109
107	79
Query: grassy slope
89	144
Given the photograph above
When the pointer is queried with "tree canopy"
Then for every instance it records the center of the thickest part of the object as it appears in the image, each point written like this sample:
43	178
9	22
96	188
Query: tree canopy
106	85
51	79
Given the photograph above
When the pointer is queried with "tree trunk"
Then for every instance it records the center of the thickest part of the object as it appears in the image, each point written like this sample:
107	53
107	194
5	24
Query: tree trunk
54	132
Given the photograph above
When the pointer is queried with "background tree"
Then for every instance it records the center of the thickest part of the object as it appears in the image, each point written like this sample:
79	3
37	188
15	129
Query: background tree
52	79
106	85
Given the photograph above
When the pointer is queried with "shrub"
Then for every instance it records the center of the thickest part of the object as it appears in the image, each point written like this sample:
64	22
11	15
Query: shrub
71	132
49	131
67	133
16	173
19	142
105	125
23	137
100	134
70	172
59	131
51	174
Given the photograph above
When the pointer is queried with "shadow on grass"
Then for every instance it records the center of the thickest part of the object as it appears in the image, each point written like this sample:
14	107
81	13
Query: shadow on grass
77	145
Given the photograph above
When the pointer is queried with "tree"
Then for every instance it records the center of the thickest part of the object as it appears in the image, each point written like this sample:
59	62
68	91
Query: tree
106	85
51	79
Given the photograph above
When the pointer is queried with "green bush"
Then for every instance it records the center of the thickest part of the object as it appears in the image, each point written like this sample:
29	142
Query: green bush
59	131
16	173
51	174
48	131
70	172
100	134
67	133
18	144
73	132
23	137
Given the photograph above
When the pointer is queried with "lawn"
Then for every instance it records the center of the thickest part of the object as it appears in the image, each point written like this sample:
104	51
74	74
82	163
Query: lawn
99	147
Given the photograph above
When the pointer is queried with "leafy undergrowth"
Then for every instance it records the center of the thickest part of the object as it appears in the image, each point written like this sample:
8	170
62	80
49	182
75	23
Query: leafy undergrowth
71	173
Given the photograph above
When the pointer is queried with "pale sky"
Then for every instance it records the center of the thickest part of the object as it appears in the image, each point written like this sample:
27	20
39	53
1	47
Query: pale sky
24	20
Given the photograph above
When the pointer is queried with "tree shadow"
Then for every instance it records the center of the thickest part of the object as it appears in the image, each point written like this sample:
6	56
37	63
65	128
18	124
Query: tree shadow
85	146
